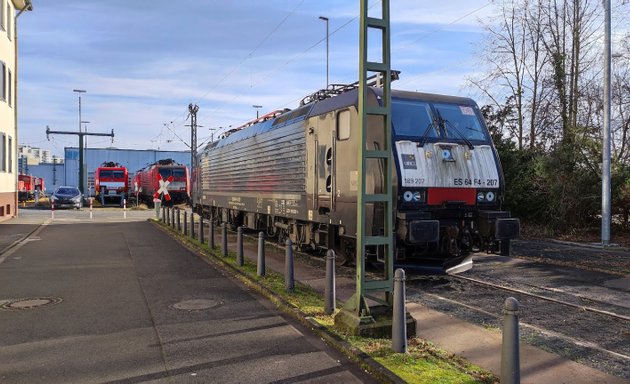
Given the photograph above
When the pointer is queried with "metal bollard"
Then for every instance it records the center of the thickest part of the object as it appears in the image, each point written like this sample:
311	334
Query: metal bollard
168	216
163	212
173	217
224	248
239	247
125	210
179	221
185	223
289	280
192	225
510	358
261	254
201	237
330	290
211	233
91	200
399	321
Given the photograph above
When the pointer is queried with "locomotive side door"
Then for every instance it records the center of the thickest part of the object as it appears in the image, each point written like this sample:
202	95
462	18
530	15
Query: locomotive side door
324	147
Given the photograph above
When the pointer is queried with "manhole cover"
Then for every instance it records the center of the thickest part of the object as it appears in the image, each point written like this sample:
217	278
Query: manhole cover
30	303
197	304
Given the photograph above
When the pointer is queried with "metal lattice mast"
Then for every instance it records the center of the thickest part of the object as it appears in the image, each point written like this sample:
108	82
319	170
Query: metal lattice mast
192	109
375	120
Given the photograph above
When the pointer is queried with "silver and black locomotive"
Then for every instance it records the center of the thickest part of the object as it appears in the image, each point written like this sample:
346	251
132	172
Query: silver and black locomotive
294	173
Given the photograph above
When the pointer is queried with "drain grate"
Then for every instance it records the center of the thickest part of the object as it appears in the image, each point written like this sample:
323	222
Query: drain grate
28	303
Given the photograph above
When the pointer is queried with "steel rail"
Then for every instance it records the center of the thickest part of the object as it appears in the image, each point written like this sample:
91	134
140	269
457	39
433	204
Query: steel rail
557	301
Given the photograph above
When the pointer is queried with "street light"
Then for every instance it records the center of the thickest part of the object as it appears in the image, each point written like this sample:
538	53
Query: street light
327	49
257	108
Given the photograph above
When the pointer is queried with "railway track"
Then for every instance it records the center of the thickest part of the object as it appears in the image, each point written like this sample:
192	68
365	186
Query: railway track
566	324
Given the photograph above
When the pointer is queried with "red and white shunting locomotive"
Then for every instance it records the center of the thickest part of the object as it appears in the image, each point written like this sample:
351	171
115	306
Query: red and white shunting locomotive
166	180
294	174
111	183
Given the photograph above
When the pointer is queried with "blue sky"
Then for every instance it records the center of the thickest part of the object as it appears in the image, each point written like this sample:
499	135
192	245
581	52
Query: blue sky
142	62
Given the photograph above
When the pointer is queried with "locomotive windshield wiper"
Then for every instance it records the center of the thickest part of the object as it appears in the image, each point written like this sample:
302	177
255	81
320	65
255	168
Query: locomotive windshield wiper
454	128
423	138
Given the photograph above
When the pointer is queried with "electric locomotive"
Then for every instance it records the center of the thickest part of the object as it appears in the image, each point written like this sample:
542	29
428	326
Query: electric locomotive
294	174
166	180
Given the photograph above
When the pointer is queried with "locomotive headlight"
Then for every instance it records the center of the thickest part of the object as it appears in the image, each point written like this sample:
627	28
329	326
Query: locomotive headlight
481	197
490	196
408	196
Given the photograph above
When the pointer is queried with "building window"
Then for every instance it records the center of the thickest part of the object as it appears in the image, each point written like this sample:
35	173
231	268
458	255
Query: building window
9	87
10	152
9	19
3	81
2	15
3	157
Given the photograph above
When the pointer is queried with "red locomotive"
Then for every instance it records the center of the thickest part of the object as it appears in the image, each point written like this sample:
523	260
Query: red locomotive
166	180
27	185
111	182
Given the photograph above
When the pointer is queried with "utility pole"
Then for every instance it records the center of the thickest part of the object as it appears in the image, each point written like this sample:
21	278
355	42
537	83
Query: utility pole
192	109
81	135
606	194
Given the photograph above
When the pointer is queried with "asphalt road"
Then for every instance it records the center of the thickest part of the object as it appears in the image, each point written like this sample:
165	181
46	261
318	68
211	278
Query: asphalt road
109	300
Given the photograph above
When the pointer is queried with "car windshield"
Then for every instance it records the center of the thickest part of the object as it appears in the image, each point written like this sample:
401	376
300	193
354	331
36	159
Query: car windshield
67	191
418	119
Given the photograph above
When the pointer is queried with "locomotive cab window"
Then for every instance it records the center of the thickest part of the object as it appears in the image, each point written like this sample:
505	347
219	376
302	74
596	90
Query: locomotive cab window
412	118
460	121
343	125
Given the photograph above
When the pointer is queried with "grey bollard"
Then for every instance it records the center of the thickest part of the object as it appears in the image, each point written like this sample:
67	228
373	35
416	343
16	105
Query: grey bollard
173	217
399	321
168	216
192	225
261	254
510	358
329	290
240	258
163	214
224	248
201	237
185	223
211	233
179	221
289	280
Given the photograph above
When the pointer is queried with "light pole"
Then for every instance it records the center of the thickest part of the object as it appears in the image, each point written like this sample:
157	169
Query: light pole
81	185
257	108
327	48
606	178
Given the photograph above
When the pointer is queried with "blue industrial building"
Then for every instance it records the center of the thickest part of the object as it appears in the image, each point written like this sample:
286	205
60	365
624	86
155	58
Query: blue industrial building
67	173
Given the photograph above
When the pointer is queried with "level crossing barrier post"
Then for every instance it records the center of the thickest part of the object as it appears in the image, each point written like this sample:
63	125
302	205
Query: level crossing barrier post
91	201
399	320
52	210
201	234
192	224
125	210
289	280
329	291
261	254
510	357
158	204
224	247
240	258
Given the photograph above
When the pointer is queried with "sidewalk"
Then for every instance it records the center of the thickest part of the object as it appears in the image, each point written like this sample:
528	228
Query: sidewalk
474	343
